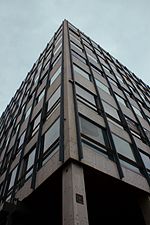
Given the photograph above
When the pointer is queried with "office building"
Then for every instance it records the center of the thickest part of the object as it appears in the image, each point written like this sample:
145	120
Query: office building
75	139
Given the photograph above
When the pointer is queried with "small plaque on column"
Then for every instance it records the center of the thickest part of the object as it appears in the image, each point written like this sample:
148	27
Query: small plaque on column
79	199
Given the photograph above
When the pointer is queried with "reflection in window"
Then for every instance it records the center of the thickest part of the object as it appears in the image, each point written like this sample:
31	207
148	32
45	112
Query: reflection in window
115	123
78	70
56	60
85	97
51	135
91	130
57	48
29	161
89	145
21	139
56	74
137	111
53	99
121	100
12	178
76	46
129	166
47	156
35	124
146	160
27	113
111	110
92	57
147	132
79	57
102	86
123	147
40	96
112	81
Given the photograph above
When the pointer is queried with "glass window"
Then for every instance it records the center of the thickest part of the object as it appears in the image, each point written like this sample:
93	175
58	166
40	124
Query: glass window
51	135
129	166
92	57
48	156
96	70
120	99
79	57
75	38
28	112
91	130
76	46
21	139
29	163
36	123
56	60
147	133
58	39
53	99
78	70
36	79
132	125
119	78
137	111
123	147
41	95
85	96
92	146
102	86
57	48
56	74
12	178
112	81
146	160
111	110
115	123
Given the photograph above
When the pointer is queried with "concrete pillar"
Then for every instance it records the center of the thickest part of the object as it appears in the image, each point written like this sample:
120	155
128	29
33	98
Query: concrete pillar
74	197
144	203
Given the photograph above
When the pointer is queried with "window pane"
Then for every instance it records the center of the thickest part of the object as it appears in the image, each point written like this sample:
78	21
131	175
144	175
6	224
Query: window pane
91	130
94	147
27	112
146	160
110	110
51	135
53	99
102	86
137	111
21	140
85	94
129	166
31	159
76	46
92	57
41	95
123	147
37	121
13	176
121	100
56	74
81	72
46	159
57	49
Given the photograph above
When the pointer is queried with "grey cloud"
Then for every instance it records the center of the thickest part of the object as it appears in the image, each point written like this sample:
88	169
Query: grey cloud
120	27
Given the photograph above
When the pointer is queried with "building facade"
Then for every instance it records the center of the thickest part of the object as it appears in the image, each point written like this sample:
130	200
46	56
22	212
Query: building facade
75	139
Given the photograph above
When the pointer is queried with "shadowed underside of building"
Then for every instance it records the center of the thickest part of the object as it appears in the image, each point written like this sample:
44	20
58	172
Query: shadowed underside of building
75	139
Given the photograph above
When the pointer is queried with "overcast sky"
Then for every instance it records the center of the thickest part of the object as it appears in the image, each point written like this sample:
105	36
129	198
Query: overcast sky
122	27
